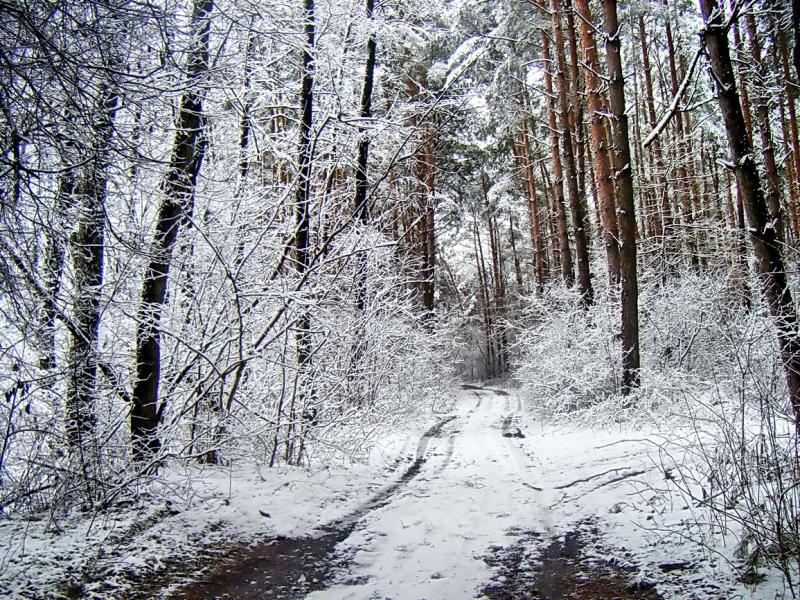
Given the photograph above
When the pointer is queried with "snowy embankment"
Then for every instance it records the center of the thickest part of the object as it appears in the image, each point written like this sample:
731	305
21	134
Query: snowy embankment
490	479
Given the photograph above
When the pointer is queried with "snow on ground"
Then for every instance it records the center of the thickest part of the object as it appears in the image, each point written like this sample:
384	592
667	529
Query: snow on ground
488	477
100	555
496	472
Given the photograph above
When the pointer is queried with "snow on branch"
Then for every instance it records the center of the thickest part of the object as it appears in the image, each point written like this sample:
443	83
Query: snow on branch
673	107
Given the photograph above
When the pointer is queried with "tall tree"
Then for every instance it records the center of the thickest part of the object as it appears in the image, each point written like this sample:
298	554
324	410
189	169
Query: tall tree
362	181
87	246
625	202
565	254
602	165
177	189
302	217
579	222
769	262
773	192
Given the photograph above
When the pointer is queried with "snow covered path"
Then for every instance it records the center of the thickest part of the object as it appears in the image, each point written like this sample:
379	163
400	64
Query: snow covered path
431	537
496	505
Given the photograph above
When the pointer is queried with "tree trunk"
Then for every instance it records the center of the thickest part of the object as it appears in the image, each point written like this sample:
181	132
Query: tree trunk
362	182
769	262
796	29
515	256
602	167
625	202
568	162
302	216
429	238
488	328
664	225
773	192
53	269
789	87
684	189
178	188
87	249
533	208
564	251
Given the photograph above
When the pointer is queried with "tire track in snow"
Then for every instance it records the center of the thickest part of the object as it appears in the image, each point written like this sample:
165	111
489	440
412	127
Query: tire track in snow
285	568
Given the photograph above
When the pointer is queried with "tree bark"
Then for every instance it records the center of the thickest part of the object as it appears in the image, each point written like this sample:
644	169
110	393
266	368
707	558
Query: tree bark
602	166
178	188
769	262
533	207
87	246
564	252
796	29
773	191
664	225
625	202
684	189
301	249
362	181
789	87
568	162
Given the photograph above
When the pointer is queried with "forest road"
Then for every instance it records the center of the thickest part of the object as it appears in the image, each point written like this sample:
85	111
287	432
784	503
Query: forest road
448	527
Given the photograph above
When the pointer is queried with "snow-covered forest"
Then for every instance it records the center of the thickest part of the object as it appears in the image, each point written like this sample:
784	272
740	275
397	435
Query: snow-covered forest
399	299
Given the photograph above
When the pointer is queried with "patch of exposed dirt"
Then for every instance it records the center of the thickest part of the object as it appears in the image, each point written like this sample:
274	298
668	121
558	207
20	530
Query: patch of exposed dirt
557	570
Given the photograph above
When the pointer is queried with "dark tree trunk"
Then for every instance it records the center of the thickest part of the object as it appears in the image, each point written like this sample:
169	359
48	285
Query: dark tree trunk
302	215
362	183
625	202
769	262
796	29
178	188
87	249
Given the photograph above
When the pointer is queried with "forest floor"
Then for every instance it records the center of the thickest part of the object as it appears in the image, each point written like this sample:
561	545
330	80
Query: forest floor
487	502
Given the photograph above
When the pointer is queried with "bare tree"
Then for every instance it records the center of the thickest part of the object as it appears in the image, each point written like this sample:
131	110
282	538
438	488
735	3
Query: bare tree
178	190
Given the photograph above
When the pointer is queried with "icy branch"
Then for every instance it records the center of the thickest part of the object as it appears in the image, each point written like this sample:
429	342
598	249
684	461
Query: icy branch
673	107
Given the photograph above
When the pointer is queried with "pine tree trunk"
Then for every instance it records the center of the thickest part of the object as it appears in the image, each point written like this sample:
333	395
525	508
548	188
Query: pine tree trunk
625	202
568	162
789	88
488	328
773	180
769	262
564	252
602	168
515	256
684	189
664	225
533	208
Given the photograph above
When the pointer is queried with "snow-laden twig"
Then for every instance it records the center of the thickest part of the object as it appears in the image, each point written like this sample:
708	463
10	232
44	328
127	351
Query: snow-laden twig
673	107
